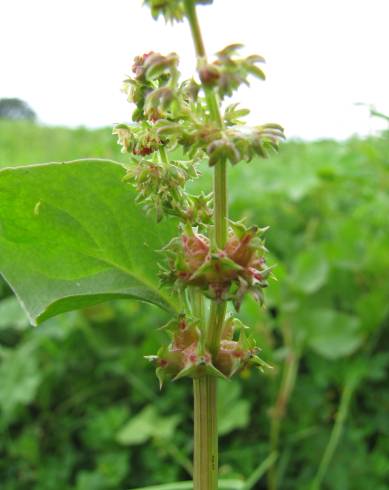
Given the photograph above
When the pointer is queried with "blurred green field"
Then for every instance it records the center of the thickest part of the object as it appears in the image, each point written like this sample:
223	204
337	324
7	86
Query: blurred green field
80	408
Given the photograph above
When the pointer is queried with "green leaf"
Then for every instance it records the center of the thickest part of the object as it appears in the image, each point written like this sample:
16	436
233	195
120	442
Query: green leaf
72	236
233	412
330	333
20	379
113	467
146	424
102	426
90	479
310	271
165	427
139	428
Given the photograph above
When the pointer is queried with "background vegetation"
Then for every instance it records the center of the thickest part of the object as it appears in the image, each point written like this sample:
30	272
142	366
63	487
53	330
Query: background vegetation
80	407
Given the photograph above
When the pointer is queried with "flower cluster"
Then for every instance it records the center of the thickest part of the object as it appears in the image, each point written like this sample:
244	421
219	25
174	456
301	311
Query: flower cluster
243	143
226	274
175	117
234	144
161	188
228	72
235	355
158	96
140	140
152	72
186	355
171	113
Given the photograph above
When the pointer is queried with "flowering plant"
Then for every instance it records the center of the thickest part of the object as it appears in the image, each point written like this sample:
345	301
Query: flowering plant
213	261
79	233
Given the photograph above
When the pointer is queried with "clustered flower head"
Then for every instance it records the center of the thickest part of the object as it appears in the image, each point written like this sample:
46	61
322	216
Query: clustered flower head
238	350
153	74
161	188
140	140
186	355
228	72
171	113
174	117
226	274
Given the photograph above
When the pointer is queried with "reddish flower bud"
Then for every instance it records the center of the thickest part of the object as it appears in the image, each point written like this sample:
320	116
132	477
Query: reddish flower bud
223	275
230	357
209	75
196	250
139	61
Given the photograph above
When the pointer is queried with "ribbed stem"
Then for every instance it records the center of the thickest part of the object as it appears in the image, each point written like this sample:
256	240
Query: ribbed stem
205	433
205	471
215	327
220	198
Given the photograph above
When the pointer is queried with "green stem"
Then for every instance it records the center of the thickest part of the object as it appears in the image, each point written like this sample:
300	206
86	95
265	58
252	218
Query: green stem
220	175
278	412
335	434
272	475
213	105
205	471
205	441
256	476
215	327
220	200
198	310
198	307
163	154
191	15
179	457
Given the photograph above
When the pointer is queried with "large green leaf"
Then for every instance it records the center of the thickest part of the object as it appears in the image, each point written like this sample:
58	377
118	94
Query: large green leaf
71	235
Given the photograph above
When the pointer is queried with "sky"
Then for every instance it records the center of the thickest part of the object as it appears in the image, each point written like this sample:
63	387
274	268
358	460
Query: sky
67	58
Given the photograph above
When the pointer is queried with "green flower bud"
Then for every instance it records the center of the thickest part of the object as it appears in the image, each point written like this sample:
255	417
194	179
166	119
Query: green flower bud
222	150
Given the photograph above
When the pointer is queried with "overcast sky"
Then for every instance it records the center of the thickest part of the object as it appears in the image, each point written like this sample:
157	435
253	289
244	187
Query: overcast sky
67	58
